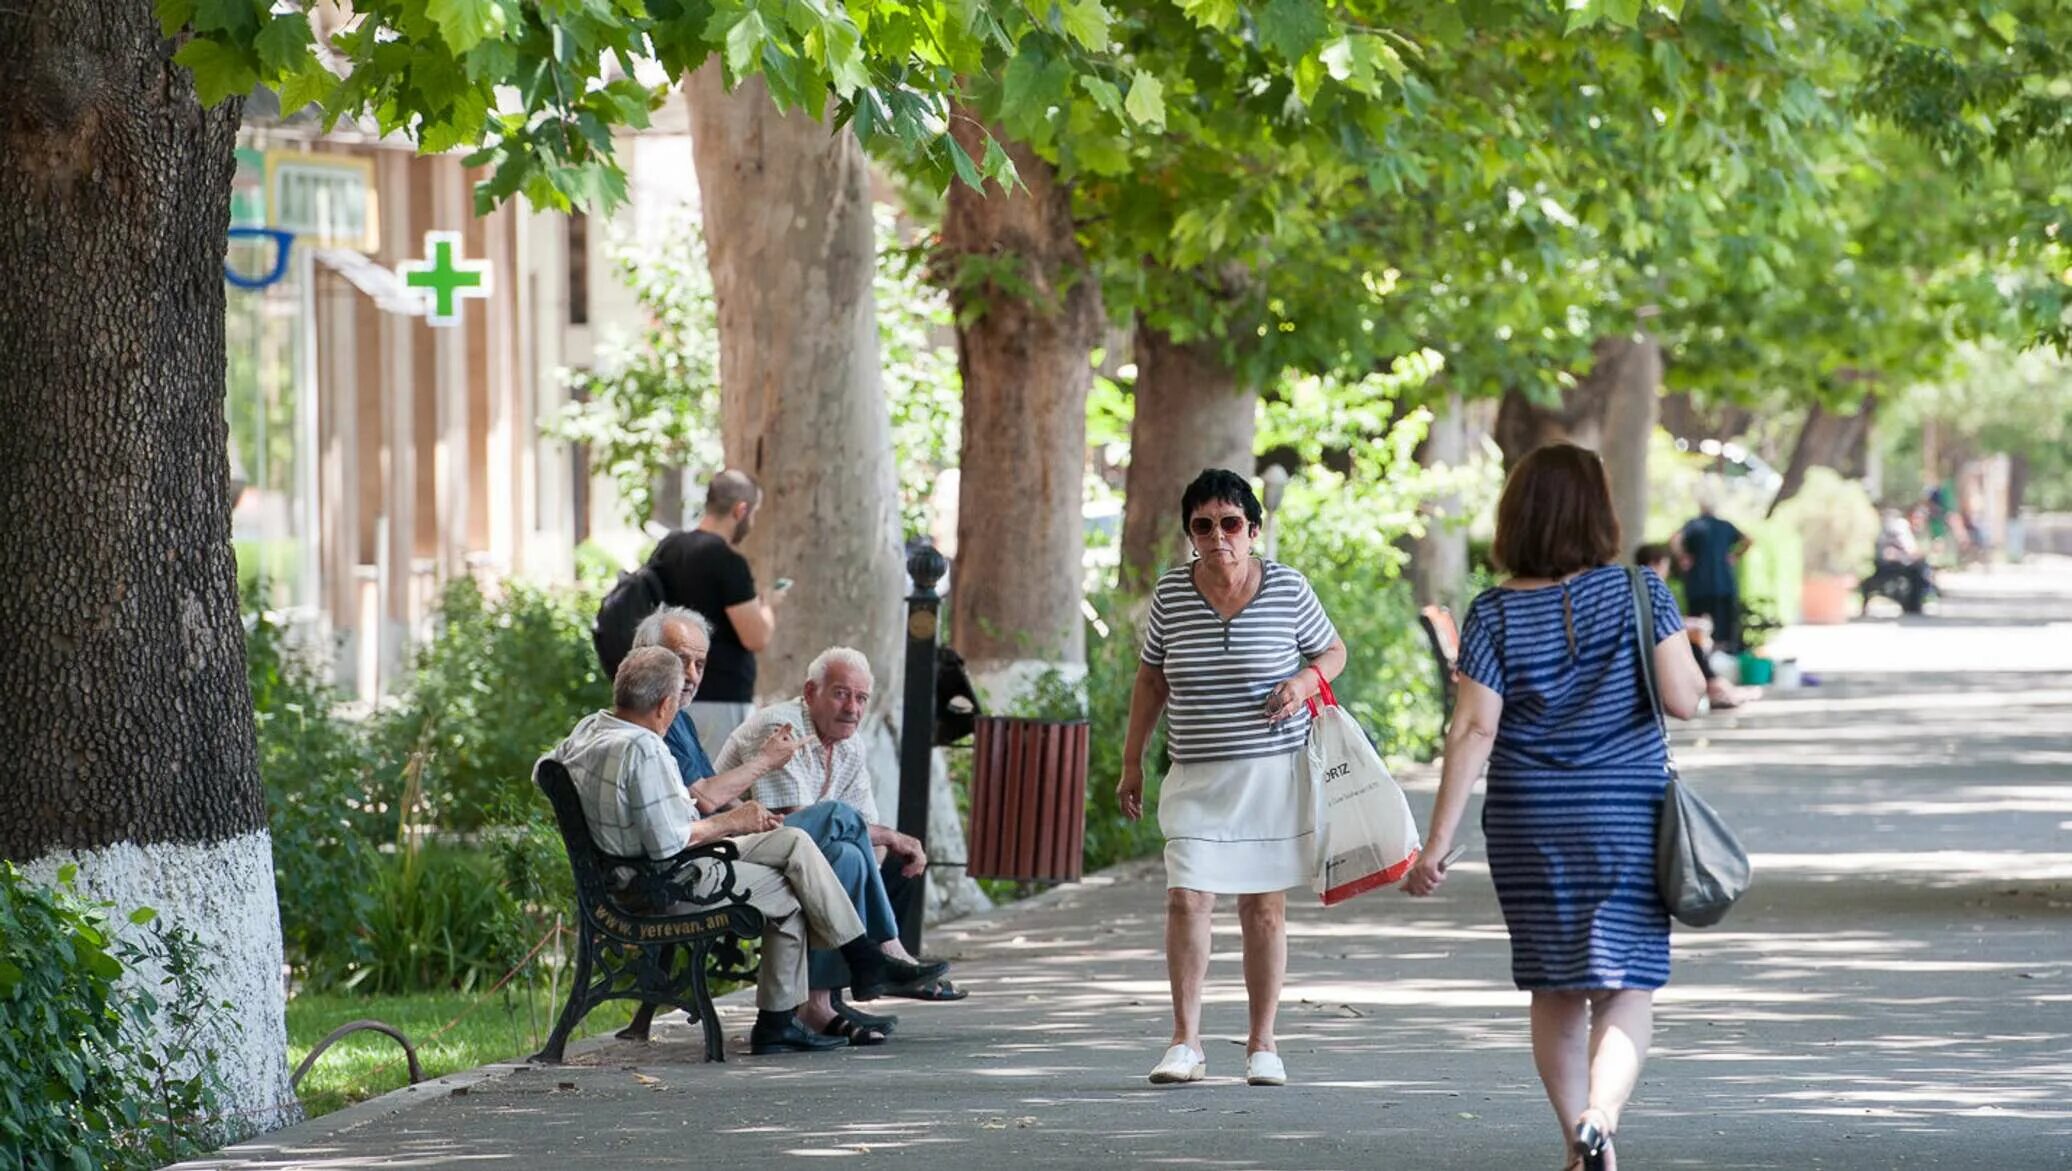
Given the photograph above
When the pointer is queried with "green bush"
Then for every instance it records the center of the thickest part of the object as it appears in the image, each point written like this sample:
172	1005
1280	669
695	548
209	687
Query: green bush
499	684
322	809
440	918
94	1070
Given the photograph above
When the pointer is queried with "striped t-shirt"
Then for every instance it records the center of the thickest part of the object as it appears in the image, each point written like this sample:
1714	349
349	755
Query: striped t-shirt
1219	673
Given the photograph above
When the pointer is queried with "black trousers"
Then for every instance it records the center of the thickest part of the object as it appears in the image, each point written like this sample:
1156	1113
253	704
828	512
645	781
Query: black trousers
1725	612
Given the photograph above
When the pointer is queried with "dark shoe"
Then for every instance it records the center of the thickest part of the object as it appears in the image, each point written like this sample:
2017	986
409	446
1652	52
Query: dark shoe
885	1024
872	972
790	1037
855	1032
1592	1142
937	988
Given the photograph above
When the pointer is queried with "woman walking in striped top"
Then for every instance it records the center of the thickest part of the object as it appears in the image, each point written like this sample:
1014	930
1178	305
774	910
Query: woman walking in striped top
1234	648
1551	700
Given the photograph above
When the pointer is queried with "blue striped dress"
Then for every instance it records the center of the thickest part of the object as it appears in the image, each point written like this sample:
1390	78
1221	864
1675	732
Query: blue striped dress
1576	778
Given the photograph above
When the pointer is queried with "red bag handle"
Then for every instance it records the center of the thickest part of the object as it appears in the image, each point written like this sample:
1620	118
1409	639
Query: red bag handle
1324	684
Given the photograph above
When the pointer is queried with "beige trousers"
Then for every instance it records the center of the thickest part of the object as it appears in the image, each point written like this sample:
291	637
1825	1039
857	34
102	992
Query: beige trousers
803	906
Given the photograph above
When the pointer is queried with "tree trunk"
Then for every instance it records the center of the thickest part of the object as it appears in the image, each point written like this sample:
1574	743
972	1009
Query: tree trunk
1025	351
1524	425
127	725
1630	370
1191	413
789	239
1439	559
1611	410
1827	440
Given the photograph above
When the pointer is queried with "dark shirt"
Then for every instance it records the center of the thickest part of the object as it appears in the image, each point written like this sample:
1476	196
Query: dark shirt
701	571
1709	540
682	739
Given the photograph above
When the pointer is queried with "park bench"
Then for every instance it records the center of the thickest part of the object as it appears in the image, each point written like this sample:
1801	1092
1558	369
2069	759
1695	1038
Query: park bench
627	947
1444	638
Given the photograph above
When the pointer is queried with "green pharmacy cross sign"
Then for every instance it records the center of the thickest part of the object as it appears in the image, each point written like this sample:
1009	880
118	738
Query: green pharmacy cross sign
445	278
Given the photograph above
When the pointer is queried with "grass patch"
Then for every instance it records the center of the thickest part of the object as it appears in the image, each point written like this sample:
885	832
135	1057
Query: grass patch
512	1023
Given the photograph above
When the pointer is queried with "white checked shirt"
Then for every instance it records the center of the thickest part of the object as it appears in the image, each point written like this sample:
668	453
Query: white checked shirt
633	796
806	779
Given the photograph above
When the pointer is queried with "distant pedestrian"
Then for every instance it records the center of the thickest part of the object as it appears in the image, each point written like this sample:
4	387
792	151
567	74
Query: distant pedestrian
1234	648
1711	548
1551	701
702	569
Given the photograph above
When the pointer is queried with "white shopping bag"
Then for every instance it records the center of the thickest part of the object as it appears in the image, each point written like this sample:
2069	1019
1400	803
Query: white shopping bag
1366	837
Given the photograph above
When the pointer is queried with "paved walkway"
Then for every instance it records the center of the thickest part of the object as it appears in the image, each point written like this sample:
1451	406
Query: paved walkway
1896	991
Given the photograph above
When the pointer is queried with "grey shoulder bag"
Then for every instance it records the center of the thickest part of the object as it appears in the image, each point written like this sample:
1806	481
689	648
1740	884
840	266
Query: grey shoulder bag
1700	867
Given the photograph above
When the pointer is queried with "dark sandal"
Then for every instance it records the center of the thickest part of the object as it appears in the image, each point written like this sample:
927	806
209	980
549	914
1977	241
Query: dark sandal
884	1024
859	1035
939	988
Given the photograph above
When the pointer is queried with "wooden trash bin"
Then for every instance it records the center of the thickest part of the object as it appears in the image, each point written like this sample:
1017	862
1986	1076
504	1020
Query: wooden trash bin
1028	799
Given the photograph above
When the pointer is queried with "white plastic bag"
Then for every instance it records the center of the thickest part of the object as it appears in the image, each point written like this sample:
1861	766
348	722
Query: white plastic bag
1366	837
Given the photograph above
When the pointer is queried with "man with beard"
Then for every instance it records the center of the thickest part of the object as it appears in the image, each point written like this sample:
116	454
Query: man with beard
702	569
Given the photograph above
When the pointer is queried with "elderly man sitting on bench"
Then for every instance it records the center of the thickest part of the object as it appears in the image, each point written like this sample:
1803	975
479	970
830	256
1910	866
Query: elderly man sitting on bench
841	832
635	804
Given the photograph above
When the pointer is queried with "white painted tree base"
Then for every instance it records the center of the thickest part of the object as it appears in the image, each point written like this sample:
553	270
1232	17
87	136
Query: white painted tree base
951	893
223	894
1001	683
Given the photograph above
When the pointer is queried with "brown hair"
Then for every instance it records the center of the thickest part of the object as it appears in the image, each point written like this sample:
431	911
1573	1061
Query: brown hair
1556	515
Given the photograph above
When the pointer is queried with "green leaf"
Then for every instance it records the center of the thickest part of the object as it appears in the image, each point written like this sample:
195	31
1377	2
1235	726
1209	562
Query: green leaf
845	57
283	44
1291	27
1105	95
966	169
173	15
2007	24
142	915
310	83
745	43
1220	15
1146	102
463	24
219	70
1086	21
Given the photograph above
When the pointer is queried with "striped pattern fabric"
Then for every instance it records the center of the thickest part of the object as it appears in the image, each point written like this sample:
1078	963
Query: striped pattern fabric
1576	777
1219	673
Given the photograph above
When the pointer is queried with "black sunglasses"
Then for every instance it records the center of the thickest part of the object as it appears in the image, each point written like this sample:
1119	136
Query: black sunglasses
1202	526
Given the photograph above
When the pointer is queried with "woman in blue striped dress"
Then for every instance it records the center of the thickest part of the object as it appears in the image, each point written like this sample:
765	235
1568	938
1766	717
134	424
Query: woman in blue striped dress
1551	701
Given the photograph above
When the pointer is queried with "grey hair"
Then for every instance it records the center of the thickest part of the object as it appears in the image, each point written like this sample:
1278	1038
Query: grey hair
648	677
850	657
649	632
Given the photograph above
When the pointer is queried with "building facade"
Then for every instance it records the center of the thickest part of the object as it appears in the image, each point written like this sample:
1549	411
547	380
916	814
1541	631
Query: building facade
377	455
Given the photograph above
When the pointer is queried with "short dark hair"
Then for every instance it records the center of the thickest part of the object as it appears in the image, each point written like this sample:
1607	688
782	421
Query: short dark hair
1555	517
729	488
1650	553
1220	484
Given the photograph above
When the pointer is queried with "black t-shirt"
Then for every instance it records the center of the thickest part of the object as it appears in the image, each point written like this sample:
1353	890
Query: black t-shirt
702	571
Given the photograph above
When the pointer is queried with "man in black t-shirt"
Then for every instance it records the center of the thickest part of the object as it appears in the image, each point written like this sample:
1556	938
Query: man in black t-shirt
702	568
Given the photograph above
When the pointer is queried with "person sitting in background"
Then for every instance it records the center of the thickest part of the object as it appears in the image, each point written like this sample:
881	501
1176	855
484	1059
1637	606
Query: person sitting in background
635	805
1718	692
831	768
838	830
1898	557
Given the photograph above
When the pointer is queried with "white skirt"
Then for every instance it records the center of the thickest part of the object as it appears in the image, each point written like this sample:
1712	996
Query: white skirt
1238	826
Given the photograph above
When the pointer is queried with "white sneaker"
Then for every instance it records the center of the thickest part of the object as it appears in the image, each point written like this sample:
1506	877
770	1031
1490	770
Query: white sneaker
1265	1069
1180	1064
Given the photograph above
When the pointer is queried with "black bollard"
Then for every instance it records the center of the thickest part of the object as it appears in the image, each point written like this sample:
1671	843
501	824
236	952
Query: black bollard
917	726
